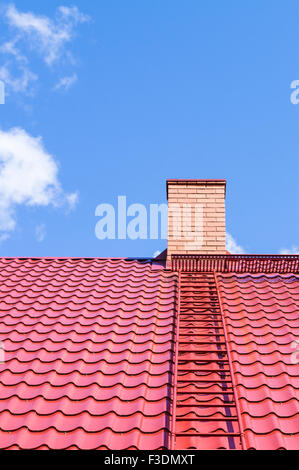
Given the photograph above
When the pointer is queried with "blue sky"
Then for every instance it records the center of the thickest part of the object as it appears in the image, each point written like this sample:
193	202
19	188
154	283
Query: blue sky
126	94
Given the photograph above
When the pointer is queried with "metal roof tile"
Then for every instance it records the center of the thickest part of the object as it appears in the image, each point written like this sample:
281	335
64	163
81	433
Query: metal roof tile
261	317
89	349
88	353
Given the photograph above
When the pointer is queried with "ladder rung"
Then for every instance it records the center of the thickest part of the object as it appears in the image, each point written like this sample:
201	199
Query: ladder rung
197	392
198	319
196	305
195	280
206	405
208	434
191	312
192	298
195	274
203	315
201	334
215	327
204	296
219	371
228	418
199	314
202	342
204	351
200	305
198	291
201	360
206	326
216	381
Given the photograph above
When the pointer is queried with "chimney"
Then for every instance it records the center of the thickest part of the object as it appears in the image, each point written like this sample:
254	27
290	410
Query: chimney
196	217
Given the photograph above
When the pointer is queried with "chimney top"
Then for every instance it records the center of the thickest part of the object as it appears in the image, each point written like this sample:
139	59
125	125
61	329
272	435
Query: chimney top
197	182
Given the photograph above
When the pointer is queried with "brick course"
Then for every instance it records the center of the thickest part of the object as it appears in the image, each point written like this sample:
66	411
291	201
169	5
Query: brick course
208	233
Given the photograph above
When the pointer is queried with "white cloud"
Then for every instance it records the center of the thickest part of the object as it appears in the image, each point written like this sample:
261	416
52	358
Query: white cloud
10	48
3	237
72	200
17	83
74	14
48	37
40	232
232	246
66	82
28	176
294	250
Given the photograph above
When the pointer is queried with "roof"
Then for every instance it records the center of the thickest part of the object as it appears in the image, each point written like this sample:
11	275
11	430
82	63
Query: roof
262	321
88	353
92	347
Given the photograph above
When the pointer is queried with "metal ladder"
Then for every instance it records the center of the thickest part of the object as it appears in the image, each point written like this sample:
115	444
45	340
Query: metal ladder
205	412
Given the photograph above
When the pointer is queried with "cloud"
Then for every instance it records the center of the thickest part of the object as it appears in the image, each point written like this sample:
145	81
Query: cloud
232	246
74	14
3	237
28	176
31	32
17	83
49	37
66	82
294	250
10	48
72	200
40	232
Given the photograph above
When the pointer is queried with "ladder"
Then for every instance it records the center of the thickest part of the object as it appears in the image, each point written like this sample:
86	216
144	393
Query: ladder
205	412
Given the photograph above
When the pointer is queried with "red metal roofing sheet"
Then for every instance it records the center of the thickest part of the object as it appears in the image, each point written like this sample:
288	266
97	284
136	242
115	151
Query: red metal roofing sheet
262	319
88	353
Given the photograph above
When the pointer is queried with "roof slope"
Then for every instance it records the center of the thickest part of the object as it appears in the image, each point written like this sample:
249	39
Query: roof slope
262	321
88	353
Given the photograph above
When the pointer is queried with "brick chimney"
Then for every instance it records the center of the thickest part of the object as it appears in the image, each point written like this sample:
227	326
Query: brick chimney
196	217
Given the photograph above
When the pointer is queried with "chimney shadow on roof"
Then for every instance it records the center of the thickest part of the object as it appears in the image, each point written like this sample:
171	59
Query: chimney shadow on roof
159	260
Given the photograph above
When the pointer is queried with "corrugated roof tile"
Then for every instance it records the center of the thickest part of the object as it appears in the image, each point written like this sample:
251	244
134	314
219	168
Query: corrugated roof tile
89	350
88	353
262	321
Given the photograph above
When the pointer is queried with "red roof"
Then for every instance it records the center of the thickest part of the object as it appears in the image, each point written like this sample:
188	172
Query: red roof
88	353
262	321
93	358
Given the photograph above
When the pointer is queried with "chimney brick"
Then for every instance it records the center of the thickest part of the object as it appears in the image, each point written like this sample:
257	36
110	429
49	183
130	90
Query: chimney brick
196	217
